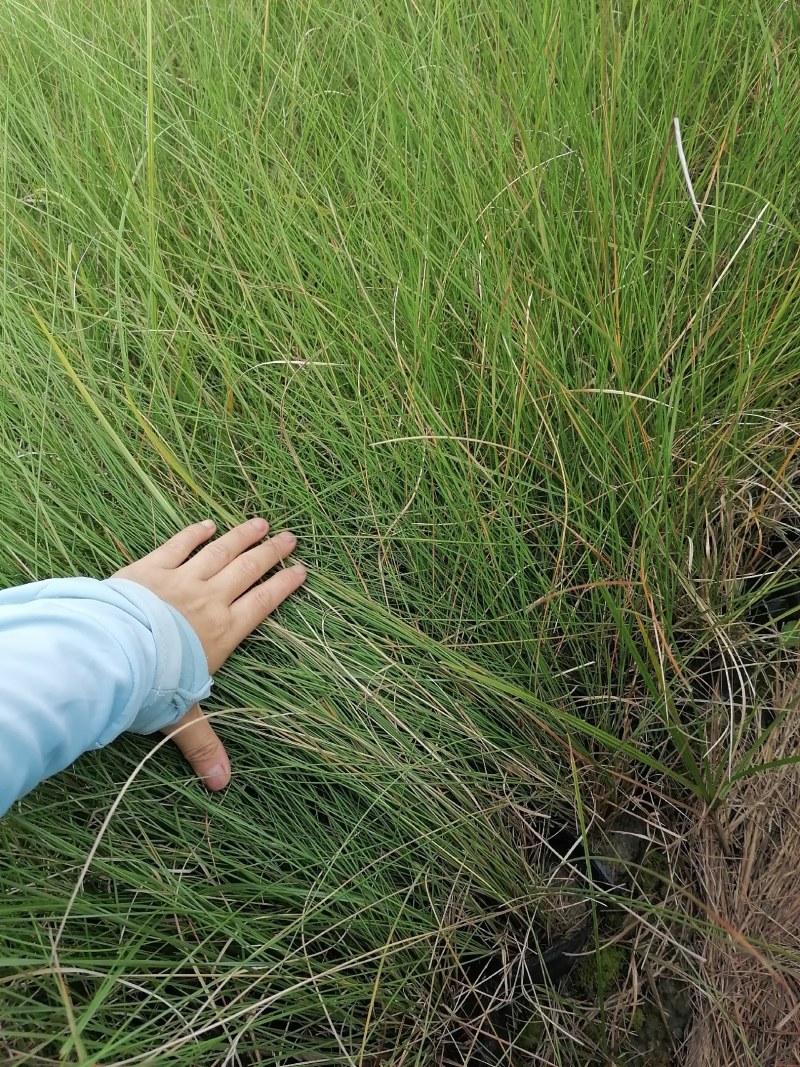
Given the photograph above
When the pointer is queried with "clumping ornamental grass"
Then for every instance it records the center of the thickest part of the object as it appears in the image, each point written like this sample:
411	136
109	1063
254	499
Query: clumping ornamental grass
430	284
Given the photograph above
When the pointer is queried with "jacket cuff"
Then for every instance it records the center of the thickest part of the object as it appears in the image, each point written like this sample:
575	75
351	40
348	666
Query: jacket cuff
181	675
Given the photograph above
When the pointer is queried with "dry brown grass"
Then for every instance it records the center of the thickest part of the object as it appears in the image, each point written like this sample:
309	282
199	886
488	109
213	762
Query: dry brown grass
750	1013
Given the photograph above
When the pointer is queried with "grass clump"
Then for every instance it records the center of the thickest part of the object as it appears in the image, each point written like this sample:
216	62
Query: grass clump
423	282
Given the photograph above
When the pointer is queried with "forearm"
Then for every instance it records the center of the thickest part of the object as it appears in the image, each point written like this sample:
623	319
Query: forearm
80	662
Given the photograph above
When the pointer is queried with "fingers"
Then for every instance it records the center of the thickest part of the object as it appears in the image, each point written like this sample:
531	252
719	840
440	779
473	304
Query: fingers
216	556
250	567
250	610
196	739
178	549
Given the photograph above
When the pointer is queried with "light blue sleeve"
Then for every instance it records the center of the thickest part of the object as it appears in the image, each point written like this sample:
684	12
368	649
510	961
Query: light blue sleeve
81	661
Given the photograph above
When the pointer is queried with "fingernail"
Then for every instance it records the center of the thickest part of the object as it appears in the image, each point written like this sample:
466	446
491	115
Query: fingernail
216	777
289	538
300	569
260	524
208	524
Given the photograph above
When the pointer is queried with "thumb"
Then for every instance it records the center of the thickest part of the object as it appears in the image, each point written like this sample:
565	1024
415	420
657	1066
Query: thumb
195	737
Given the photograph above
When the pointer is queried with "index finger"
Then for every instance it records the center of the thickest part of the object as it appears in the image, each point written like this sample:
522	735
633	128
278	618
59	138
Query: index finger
250	610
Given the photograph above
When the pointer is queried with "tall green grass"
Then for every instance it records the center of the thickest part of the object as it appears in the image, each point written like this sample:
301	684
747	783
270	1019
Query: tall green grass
423	282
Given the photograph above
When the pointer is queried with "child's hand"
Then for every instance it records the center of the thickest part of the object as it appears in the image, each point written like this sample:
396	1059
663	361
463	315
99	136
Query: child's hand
212	590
